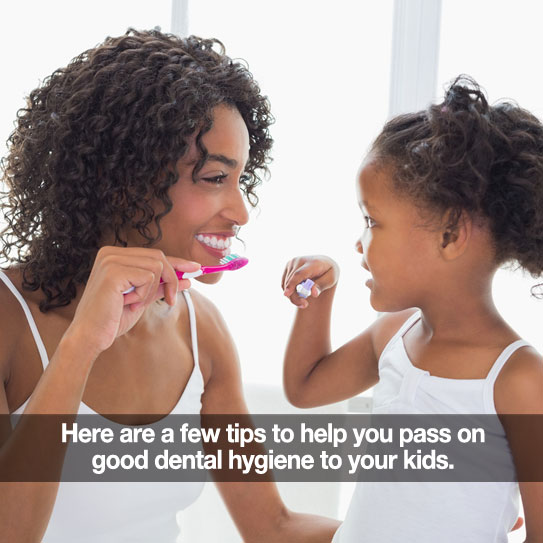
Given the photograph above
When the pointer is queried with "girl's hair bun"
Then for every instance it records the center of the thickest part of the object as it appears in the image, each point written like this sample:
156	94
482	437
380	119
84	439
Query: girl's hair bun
464	94
464	155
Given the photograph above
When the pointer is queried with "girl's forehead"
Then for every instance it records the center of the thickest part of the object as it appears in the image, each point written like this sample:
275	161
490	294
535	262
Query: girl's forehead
376	193
374	184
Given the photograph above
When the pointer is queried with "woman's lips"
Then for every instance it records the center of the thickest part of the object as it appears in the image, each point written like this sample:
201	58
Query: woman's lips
217	245
369	282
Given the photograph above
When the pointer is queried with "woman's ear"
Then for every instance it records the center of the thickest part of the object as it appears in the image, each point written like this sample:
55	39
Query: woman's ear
454	238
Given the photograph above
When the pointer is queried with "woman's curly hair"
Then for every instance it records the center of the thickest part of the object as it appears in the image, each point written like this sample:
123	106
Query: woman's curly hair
97	144
466	155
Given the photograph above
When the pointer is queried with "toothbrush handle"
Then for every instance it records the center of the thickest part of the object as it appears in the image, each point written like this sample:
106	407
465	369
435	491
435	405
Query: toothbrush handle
180	275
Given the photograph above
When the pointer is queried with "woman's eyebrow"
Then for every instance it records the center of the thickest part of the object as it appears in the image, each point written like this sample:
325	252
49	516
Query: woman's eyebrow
230	162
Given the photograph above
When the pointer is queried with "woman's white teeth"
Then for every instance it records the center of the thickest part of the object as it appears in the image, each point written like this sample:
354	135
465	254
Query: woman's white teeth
212	241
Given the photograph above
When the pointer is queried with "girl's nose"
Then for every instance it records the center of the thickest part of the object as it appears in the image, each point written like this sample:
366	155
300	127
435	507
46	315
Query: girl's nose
358	246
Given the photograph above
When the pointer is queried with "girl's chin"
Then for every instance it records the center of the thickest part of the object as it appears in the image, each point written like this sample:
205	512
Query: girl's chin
378	304
384	306
209	279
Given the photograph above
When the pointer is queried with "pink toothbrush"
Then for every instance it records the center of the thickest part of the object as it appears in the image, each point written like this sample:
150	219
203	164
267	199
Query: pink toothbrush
228	263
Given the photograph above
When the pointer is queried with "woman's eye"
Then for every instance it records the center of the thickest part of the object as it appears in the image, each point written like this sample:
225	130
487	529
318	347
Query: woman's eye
216	179
370	223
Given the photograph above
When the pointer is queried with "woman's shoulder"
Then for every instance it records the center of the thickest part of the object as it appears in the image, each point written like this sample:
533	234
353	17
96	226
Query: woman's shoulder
12	321
215	342
208	316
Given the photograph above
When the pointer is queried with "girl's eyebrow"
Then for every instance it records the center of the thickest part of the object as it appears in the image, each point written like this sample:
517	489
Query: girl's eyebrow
368	206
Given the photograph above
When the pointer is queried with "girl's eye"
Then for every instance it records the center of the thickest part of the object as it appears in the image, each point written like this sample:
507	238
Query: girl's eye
216	180
370	223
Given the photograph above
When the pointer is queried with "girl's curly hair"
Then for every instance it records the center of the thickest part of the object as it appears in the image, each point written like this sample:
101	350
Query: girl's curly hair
466	155
97	144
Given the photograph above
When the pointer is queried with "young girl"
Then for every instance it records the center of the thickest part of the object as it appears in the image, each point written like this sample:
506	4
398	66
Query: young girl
448	196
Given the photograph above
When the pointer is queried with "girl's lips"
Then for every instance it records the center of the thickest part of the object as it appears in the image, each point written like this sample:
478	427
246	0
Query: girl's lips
369	282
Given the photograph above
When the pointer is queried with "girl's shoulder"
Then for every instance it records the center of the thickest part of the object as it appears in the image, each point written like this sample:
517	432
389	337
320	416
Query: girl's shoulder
386	327
519	385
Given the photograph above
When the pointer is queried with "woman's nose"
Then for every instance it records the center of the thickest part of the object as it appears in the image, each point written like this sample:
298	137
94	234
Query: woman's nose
236	209
358	246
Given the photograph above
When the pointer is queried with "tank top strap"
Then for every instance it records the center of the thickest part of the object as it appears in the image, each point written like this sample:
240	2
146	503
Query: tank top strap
403	330
34	329
488	393
193	330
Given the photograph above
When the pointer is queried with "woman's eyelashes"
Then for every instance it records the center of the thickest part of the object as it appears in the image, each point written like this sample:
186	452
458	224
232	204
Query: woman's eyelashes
216	179
220	179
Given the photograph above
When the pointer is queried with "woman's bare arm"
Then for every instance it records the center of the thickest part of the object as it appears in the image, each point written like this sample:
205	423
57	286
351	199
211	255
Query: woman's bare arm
103	313
256	507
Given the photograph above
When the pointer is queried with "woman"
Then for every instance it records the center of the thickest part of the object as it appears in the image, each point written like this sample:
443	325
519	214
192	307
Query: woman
127	165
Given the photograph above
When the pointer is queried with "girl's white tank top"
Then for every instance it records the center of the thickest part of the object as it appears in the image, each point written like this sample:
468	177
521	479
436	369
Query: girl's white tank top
426	512
131	512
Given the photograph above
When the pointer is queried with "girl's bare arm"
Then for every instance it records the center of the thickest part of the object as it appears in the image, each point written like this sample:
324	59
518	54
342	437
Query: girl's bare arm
519	391
313	374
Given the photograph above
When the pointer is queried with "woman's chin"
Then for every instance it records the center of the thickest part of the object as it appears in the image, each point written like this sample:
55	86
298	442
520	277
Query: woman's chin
210	279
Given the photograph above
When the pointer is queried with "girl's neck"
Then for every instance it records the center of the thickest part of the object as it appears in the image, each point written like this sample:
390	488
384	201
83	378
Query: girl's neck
453	319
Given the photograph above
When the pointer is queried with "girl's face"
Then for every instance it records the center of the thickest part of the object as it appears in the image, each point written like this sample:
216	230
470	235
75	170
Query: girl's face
206	214
401	255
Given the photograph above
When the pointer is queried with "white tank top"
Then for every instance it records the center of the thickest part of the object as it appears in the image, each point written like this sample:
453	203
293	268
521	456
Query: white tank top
426	512
96	512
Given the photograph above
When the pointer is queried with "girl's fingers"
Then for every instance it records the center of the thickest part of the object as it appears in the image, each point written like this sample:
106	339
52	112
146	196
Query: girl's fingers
301	303
286	271
291	265
320	269
309	270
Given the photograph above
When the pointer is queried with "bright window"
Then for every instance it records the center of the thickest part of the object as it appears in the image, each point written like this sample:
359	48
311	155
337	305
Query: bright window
326	70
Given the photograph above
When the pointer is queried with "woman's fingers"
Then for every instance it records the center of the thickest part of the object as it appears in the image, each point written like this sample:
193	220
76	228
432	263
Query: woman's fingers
175	285
104	312
147	288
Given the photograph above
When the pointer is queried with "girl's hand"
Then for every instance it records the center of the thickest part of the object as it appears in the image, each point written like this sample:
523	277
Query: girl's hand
320	269
104	313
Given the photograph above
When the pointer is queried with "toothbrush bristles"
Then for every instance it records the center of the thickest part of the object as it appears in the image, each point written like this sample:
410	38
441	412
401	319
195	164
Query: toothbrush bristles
228	258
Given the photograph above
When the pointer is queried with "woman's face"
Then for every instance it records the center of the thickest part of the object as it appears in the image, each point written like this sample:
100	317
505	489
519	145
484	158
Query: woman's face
207	213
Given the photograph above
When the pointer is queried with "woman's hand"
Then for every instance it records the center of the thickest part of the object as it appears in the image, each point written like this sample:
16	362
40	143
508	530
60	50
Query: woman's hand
321	269
104	312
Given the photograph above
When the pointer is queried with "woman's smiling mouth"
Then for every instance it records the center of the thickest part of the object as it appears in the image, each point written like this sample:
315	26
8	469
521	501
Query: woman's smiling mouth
216	244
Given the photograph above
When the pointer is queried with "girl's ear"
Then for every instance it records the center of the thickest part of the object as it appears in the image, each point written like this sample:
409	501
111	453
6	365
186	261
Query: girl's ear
454	238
